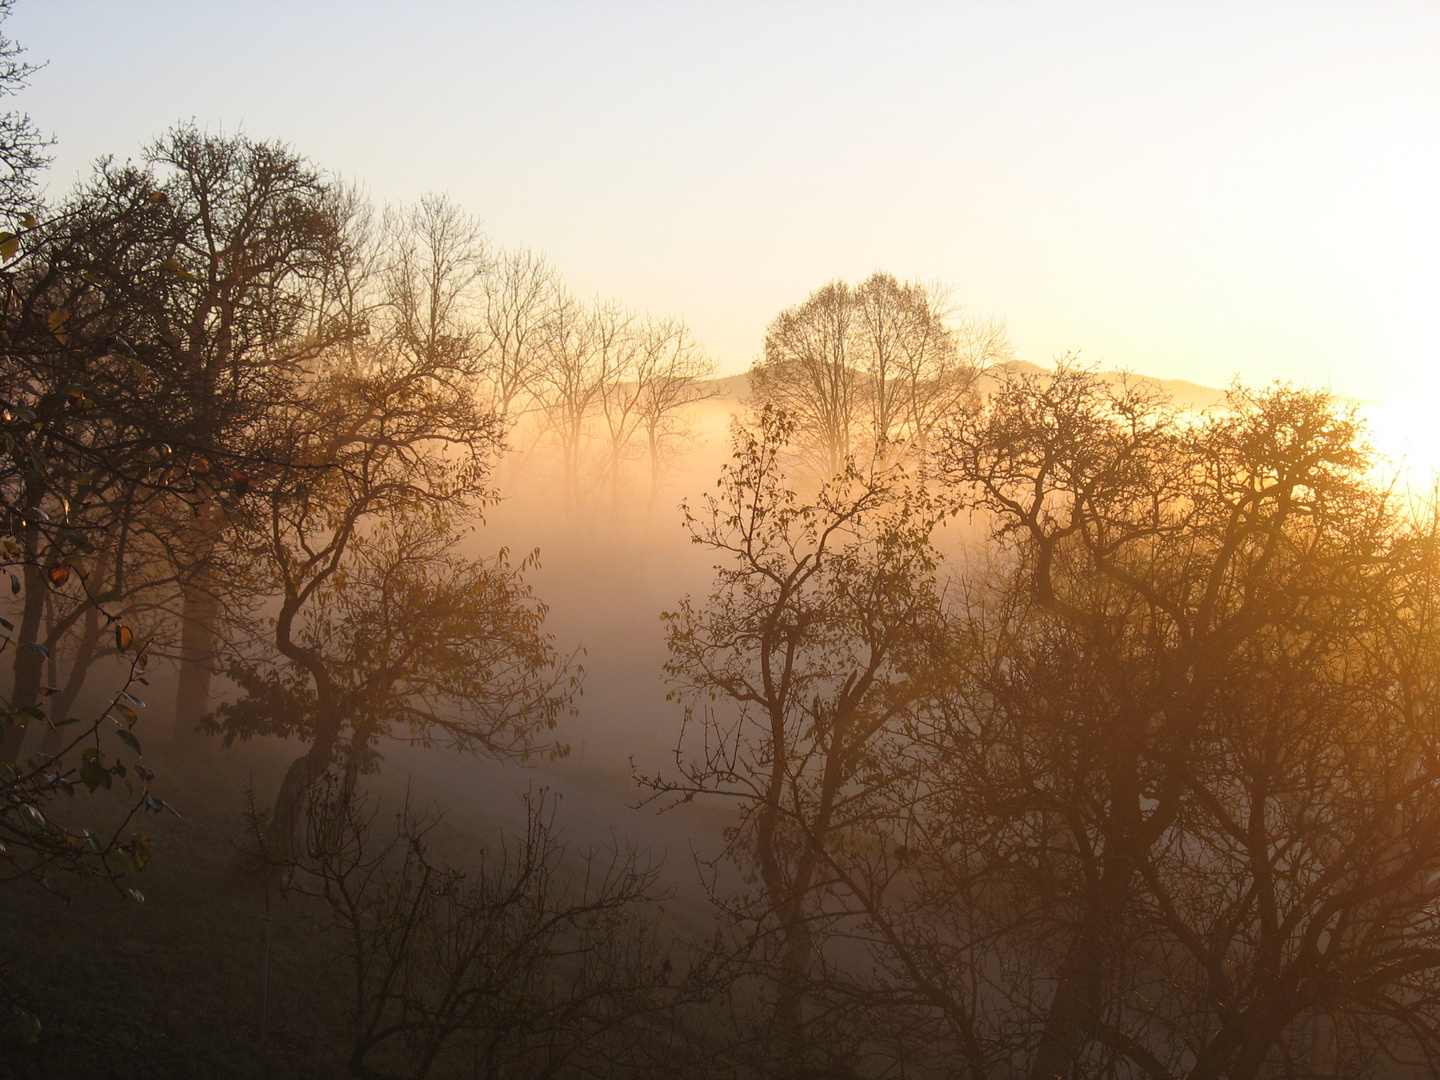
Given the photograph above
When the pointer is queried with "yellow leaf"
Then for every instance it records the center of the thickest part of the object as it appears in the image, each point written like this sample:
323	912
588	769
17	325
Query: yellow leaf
27	221
123	637
9	246
172	266
140	850
58	318
59	575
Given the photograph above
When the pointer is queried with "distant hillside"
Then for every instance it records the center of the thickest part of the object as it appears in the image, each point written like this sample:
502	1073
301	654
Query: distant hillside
1187	395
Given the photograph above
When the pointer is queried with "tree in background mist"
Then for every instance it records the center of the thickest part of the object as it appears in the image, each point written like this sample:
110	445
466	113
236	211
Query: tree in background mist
866	370
593	383
612	387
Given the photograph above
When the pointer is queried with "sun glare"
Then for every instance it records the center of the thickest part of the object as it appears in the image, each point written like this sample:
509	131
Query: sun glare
1407	435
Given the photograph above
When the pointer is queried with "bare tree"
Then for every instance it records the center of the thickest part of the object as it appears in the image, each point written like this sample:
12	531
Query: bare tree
1197	747
671	374
380	623
519	295
810	372
920	357
616	340
797	672
532	963
435	263
872	368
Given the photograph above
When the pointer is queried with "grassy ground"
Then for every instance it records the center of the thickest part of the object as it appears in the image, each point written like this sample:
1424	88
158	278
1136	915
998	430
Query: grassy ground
171	987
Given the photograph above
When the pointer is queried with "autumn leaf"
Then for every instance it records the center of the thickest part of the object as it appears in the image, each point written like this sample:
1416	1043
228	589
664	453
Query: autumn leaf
59	319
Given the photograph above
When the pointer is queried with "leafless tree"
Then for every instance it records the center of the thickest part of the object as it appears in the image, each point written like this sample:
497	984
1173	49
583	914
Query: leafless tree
873	368
1197	746
671	374
811	373
519	294
532	963
798	672
435	262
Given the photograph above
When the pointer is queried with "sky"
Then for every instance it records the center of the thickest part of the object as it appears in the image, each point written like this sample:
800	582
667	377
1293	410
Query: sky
1187	190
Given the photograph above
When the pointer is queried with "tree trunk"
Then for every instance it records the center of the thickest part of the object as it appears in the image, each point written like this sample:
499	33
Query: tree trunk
290	800
64	701
1074	1011
29	664
197	660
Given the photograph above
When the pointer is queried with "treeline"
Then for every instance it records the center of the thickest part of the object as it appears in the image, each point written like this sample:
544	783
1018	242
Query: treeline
282	394
248	423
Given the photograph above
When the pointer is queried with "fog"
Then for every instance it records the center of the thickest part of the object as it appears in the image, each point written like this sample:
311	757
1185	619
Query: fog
418	667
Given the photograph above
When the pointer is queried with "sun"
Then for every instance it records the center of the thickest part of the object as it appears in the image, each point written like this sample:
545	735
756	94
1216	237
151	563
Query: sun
1407	435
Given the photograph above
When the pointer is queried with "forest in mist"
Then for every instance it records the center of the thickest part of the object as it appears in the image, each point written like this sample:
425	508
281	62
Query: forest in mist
413	669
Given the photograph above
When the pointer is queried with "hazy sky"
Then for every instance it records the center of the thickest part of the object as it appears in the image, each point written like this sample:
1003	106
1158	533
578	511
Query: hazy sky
1188	190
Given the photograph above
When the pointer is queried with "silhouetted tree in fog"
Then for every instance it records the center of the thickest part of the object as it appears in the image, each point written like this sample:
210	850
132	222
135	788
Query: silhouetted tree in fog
1201	745
221	258
1148	791
798	672
532	961
379	622
862	368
